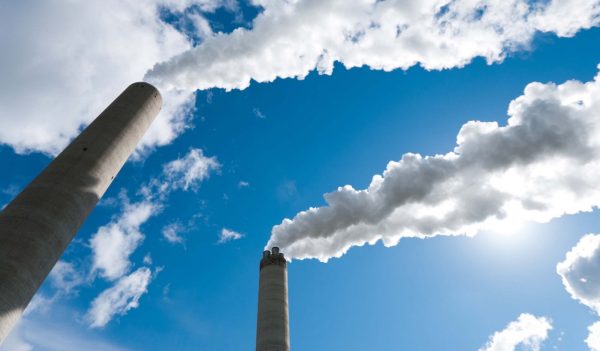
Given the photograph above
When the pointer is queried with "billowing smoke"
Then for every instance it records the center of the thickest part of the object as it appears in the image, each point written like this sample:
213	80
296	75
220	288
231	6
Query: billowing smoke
291	38
544	163
63	62
112	43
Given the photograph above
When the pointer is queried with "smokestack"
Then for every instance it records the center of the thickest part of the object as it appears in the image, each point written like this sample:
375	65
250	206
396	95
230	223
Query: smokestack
272	327
37	226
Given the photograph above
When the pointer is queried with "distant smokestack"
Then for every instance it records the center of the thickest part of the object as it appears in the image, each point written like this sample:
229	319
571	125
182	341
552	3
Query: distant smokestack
272	327
37	226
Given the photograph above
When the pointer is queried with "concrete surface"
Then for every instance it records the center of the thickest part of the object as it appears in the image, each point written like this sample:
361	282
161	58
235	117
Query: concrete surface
272	327
37	226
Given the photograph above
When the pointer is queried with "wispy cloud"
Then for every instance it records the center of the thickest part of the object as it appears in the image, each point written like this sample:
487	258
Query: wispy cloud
228	235
175	231
147	260
65	277
189	171
496	174
258	113
120	298
172	232
527	331
41	303
113	243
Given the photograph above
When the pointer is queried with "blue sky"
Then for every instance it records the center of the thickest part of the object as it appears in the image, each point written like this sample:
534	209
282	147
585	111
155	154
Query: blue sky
269	149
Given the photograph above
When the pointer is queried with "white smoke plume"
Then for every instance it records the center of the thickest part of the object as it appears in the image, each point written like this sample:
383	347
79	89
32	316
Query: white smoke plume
291	38
543	164
64	61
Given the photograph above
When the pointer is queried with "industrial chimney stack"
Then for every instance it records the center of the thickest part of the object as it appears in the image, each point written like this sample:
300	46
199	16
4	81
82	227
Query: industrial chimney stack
37	226
273	329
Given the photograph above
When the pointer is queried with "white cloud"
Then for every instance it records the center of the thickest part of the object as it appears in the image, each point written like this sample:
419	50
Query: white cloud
580	271
40	303
120	298
243	184
114	242
593	339
187	172
527	331
258	113
229	235
520	171
293	38
172	232
65	277
147	259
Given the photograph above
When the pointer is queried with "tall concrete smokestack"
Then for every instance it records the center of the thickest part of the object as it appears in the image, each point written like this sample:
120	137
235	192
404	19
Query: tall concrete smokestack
272	327
37	226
